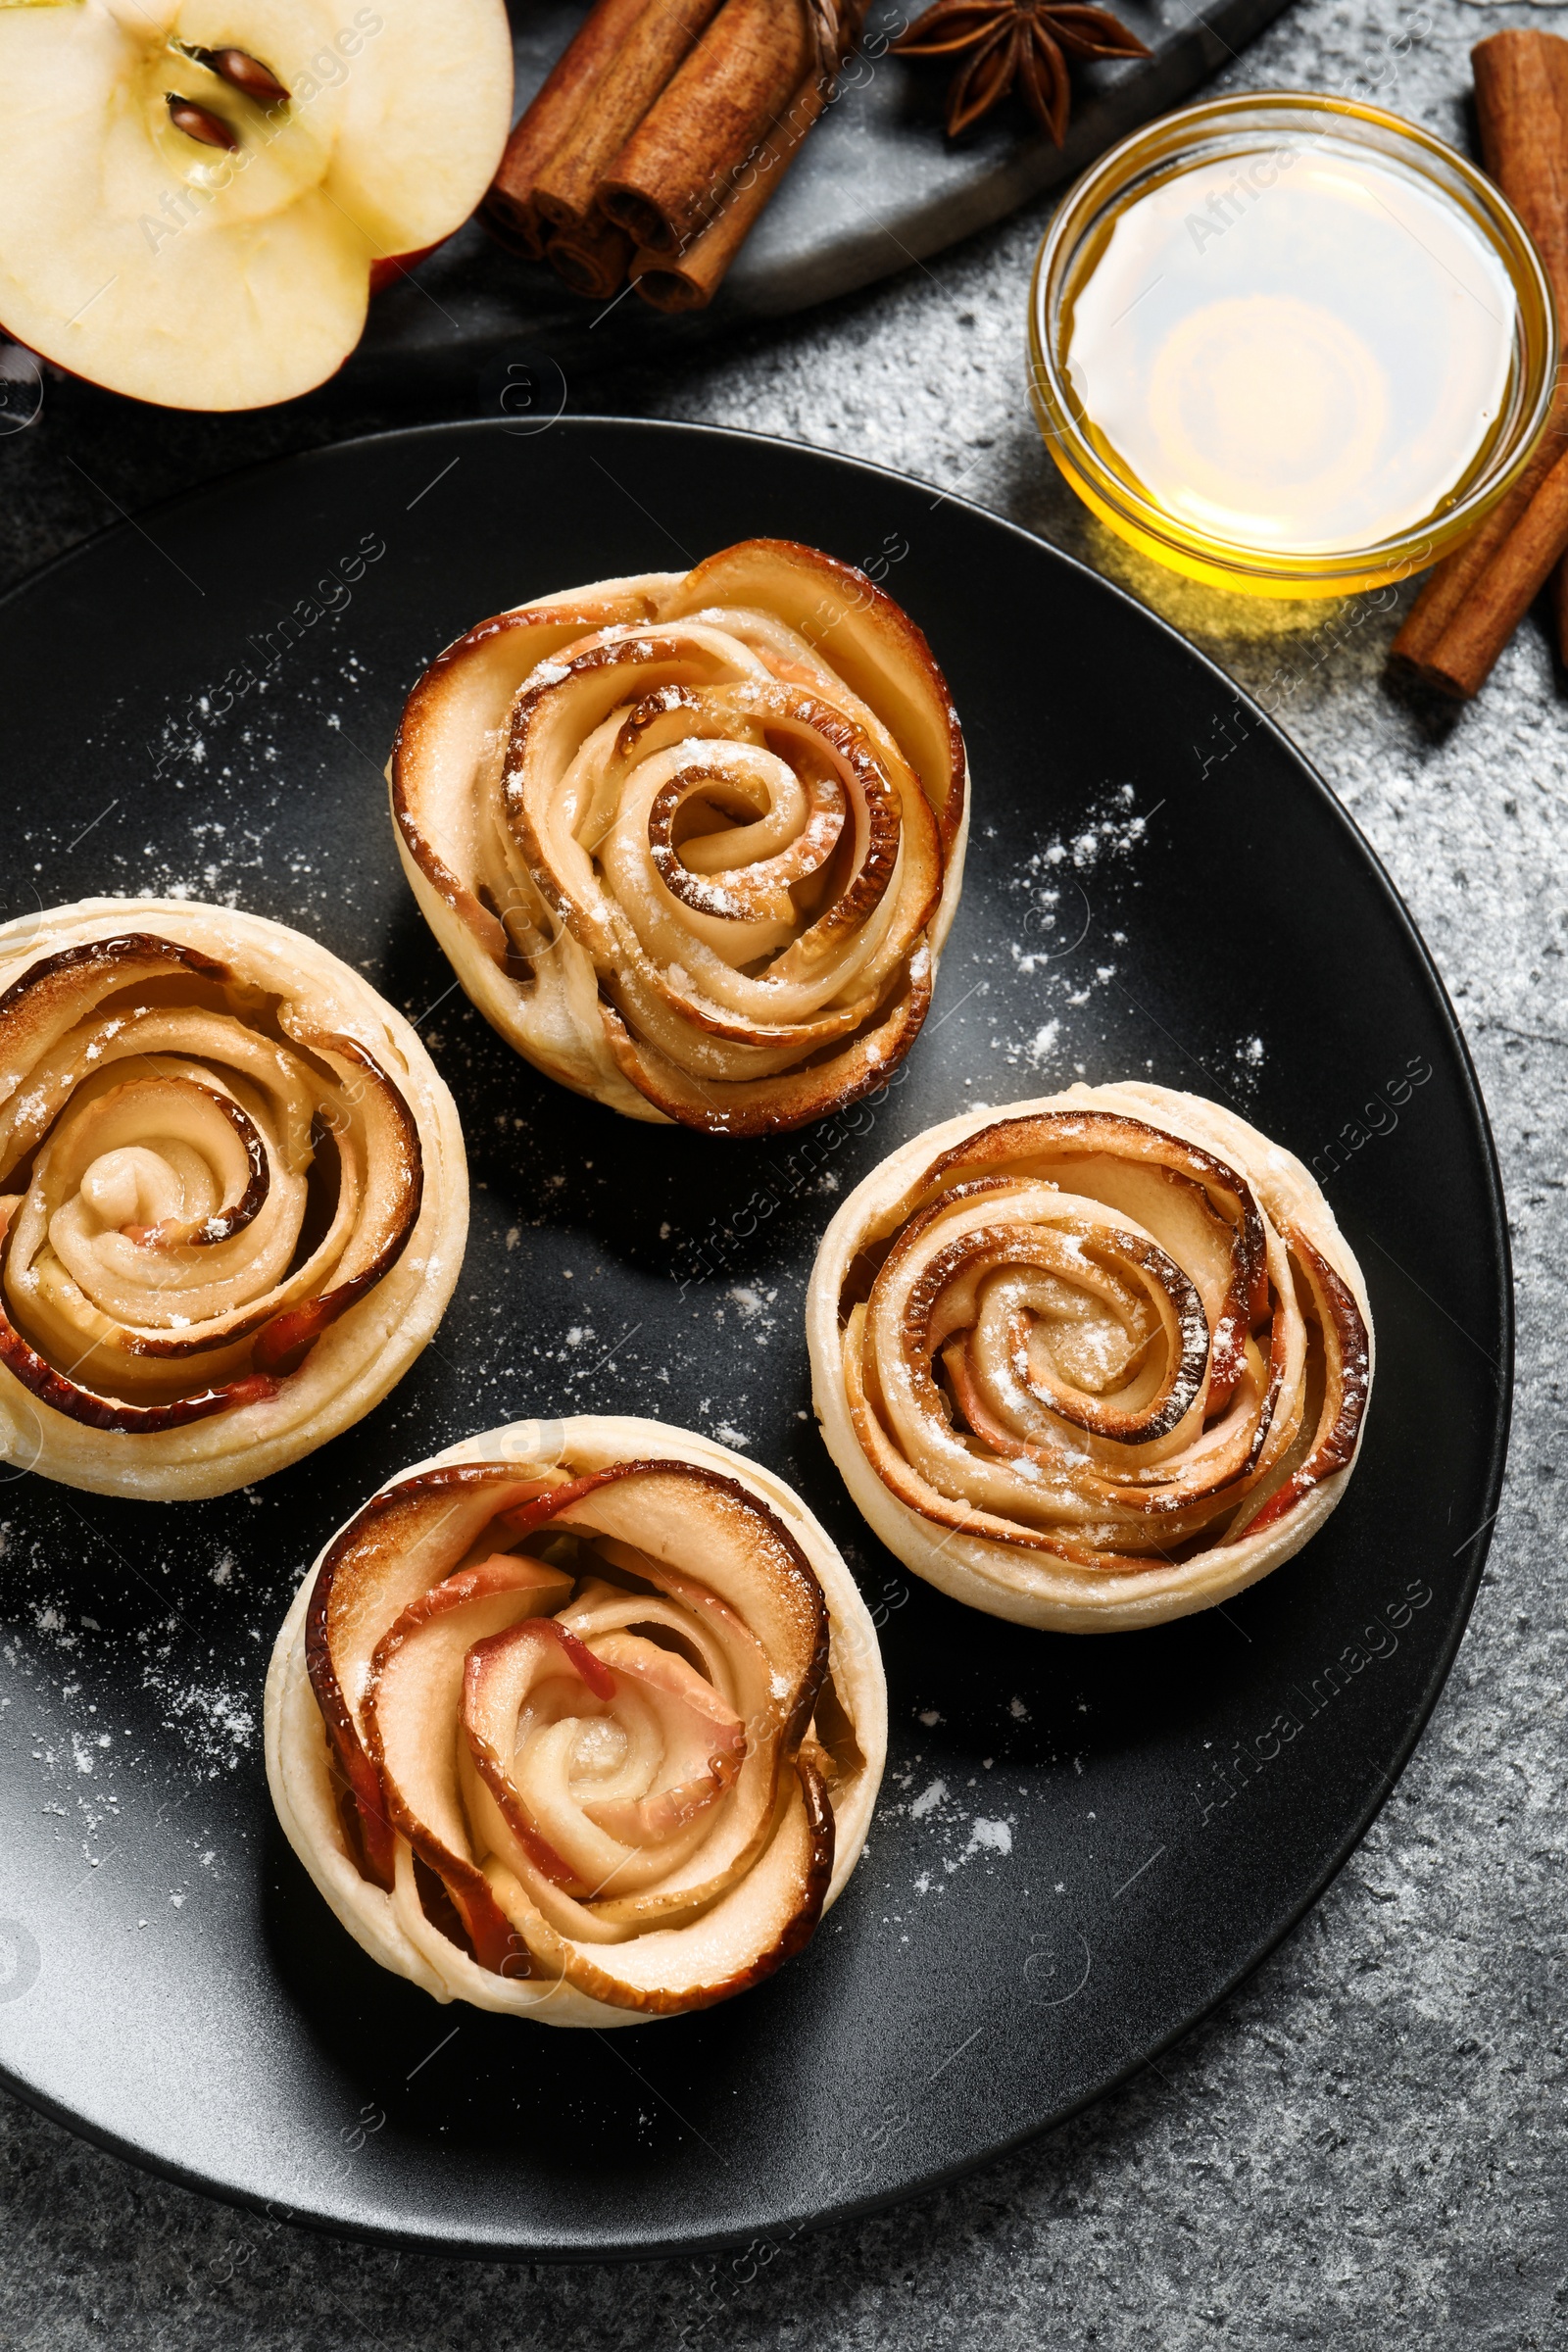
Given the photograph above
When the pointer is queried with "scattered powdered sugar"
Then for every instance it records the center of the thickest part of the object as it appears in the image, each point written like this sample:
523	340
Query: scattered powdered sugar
749	1303
988	1836
1073	890
1114	830
1069	887
963	1835
54	1651
724	1431
230	836
1248	1061
754	1306
219	1725
49	1617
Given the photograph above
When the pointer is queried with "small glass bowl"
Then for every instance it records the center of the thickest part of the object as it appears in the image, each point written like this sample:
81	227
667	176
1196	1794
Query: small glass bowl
1219	129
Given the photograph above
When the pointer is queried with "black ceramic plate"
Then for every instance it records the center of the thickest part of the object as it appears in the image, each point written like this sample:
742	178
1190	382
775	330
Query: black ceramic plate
1157	885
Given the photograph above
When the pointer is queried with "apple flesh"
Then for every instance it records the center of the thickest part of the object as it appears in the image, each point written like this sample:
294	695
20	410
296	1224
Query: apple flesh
411	1705
171	229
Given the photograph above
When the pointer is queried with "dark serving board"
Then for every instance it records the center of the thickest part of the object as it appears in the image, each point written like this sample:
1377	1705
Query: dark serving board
877	186
1158	883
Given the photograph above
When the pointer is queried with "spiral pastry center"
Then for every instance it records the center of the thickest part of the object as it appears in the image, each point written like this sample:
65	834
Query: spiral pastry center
748	863
195	1186
1081	1335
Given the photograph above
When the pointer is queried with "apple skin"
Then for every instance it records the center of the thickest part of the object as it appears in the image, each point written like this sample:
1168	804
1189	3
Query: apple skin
388	267
192	276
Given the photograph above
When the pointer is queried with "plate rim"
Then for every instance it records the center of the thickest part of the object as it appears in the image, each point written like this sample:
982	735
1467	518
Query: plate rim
851	2209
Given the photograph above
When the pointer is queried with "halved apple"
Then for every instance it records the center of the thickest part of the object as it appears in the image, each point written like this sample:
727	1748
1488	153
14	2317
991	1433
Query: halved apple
195	194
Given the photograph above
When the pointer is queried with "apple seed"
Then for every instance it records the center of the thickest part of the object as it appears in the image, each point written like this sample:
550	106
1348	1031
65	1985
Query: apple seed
197	124
248	73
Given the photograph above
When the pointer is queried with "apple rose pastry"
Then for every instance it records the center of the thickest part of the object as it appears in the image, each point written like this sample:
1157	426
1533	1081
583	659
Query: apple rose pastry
693	843
580	1721
1097	1362
232	1197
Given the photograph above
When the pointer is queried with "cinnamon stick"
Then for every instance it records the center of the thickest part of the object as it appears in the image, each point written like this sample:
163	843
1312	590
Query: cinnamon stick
1475	599
1522	106
1522	103
689	278
652	40
1522	100
675	174
509	209
1504	593
1469	576
591	259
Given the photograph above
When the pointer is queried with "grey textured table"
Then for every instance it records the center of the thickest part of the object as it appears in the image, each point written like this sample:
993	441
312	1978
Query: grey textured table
1365	2144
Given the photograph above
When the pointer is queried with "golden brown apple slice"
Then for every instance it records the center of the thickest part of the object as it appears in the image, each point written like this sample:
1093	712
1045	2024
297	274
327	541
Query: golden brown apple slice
718	1542
412	1697
762	1918
704	1742
739	1576
1346	1383
601	1765
400	1545
172	228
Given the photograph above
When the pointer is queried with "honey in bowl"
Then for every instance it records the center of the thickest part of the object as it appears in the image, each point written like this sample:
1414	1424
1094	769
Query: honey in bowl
1313	362
1294	354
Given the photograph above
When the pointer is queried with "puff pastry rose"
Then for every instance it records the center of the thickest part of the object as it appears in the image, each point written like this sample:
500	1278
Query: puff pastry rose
1093	1361
693	843
233	1198
583	1721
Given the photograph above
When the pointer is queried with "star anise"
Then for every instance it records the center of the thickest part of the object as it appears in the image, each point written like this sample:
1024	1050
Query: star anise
1026	42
